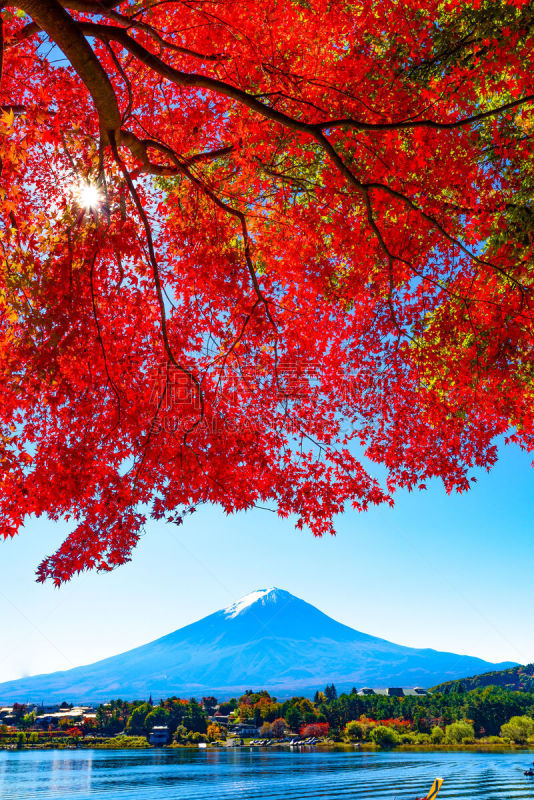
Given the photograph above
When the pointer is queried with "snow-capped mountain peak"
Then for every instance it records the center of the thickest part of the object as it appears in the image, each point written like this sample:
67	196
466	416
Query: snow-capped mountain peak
269	639
248	600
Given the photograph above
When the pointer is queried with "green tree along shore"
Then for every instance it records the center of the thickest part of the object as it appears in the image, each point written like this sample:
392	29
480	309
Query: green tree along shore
490	715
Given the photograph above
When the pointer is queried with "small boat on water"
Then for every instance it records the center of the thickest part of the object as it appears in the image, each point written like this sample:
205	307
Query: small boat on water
434	789
530	770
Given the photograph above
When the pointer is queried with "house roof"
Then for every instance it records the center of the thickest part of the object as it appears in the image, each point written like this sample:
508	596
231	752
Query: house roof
416	691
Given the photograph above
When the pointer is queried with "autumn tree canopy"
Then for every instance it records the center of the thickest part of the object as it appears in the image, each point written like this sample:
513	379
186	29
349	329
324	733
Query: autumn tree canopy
243	243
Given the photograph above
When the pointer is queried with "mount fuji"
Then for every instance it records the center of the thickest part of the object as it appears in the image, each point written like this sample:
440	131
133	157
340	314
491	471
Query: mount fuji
267	640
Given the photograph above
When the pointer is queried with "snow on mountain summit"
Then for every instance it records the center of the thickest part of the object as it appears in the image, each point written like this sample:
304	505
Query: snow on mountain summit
248	600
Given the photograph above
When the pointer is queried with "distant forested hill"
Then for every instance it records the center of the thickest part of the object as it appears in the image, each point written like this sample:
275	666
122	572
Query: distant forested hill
519	678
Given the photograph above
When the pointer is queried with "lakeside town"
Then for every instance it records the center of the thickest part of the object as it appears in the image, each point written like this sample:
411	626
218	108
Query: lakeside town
375	718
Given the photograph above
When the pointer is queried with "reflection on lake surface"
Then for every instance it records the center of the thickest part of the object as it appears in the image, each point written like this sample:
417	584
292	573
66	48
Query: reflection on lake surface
243	774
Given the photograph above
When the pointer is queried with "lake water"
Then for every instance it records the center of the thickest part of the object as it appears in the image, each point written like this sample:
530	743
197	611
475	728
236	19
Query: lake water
244	774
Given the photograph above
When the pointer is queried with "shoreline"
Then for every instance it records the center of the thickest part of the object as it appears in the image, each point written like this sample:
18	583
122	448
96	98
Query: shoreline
326	747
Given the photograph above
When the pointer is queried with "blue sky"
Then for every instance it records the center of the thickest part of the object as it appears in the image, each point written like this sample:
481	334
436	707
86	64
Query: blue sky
453	573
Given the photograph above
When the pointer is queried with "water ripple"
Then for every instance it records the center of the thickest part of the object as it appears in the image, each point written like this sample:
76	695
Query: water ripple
260	775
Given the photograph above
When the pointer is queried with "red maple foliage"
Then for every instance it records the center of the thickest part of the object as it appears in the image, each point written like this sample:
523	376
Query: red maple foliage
245	243
314	729
397	723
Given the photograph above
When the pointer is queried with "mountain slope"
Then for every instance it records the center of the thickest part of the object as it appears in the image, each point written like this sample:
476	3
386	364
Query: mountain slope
516	679
268	639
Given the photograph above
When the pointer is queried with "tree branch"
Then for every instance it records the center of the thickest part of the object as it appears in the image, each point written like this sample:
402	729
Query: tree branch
152	32
423	123
64	31
139	148
195	80
364	187
186	79
90	6
157	281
